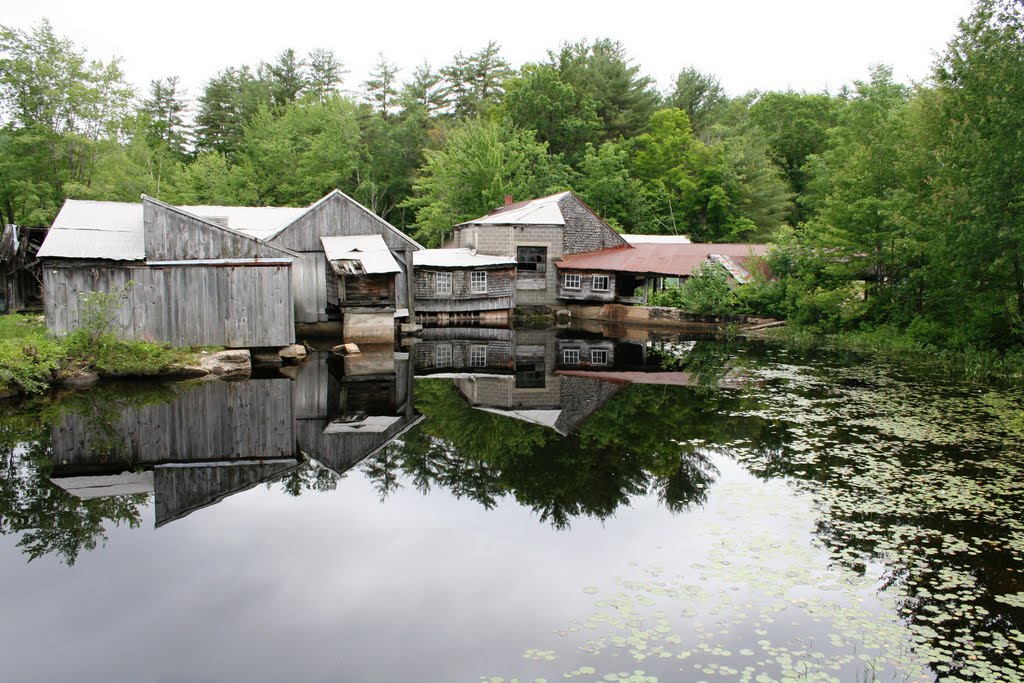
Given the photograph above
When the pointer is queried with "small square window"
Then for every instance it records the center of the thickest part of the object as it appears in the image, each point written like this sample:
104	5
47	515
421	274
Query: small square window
573	280
599	357
443	283
478	282
571	356
478	356
601	283
443	355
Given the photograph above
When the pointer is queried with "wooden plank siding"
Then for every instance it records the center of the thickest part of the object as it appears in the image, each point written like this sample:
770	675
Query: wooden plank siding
462	299
586	291
338	215
205	421
210	305
172	235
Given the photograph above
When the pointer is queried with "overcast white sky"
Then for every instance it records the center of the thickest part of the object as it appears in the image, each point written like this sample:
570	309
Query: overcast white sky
764	44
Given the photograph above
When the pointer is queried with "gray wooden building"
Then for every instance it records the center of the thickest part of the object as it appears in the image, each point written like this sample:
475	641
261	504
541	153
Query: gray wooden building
211	275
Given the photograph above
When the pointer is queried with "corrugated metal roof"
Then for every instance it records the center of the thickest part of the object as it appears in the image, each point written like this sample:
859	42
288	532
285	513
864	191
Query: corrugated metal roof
457	258
369	251
543	211
256	221
657	239
114	230
675	260
87	229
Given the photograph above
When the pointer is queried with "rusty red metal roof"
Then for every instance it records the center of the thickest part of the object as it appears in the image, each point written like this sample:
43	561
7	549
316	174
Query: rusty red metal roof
676	260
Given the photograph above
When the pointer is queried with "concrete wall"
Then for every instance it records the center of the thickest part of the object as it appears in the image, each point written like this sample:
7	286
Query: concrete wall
503	240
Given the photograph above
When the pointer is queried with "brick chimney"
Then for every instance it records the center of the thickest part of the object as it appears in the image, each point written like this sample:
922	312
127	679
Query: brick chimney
508	200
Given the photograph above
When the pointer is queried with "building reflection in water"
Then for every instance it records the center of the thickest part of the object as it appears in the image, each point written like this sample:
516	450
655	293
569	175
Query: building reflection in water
215	439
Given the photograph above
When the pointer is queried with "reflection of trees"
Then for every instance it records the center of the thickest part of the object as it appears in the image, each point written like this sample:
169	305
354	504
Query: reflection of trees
640	441
50	520
309	476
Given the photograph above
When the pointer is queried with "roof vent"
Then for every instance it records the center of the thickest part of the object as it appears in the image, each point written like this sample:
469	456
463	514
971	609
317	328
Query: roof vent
222	221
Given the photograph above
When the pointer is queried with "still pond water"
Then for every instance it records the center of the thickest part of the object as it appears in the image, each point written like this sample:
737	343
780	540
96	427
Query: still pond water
501	505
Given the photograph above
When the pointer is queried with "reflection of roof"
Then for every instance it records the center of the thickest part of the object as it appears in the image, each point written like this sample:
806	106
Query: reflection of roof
544	418
457	258
656	239
368	251
542	211
101	486
368	423
678	260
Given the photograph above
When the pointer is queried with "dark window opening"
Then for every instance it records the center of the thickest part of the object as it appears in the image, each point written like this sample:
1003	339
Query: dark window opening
530	375
532	258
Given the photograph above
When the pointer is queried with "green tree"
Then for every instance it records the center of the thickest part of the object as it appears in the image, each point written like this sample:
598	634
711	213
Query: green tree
476	82
978	189
795	126
426	91
537	99
605	182
285	78
859	231
382	86
61	105
164	109
701	96
325	74
299	155
624	99
481	161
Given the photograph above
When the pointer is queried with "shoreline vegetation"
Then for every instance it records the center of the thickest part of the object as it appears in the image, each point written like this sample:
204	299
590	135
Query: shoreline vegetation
32	362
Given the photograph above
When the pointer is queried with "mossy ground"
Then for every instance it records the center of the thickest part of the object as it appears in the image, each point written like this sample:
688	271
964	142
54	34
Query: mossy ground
31	360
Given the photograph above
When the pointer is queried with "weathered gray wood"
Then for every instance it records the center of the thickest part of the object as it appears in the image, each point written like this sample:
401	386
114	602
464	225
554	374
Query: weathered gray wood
209	421
242	306
174	235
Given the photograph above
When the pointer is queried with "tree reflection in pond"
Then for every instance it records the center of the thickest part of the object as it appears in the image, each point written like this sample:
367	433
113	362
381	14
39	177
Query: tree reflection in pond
644	439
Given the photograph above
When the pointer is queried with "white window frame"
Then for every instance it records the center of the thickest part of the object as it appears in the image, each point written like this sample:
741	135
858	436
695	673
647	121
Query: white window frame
478	356
438	279
478	282
607	283
443	355
571	356
576	277
599	357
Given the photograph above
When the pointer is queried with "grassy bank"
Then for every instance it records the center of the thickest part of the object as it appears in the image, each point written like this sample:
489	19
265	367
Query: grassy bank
31	361
890	344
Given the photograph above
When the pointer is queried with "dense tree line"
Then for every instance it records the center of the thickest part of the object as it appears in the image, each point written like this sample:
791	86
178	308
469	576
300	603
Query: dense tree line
889	204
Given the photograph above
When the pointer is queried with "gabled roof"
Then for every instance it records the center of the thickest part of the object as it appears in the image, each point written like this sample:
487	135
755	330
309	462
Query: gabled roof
674	260
211	222
338	193
542	211
457	258
368	251
114	230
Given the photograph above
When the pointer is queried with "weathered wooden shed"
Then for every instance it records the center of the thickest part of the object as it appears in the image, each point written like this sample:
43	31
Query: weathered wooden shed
20	278
194	280
338	215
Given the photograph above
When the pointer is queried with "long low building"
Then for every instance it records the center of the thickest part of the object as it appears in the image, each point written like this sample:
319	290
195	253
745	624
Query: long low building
224	275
